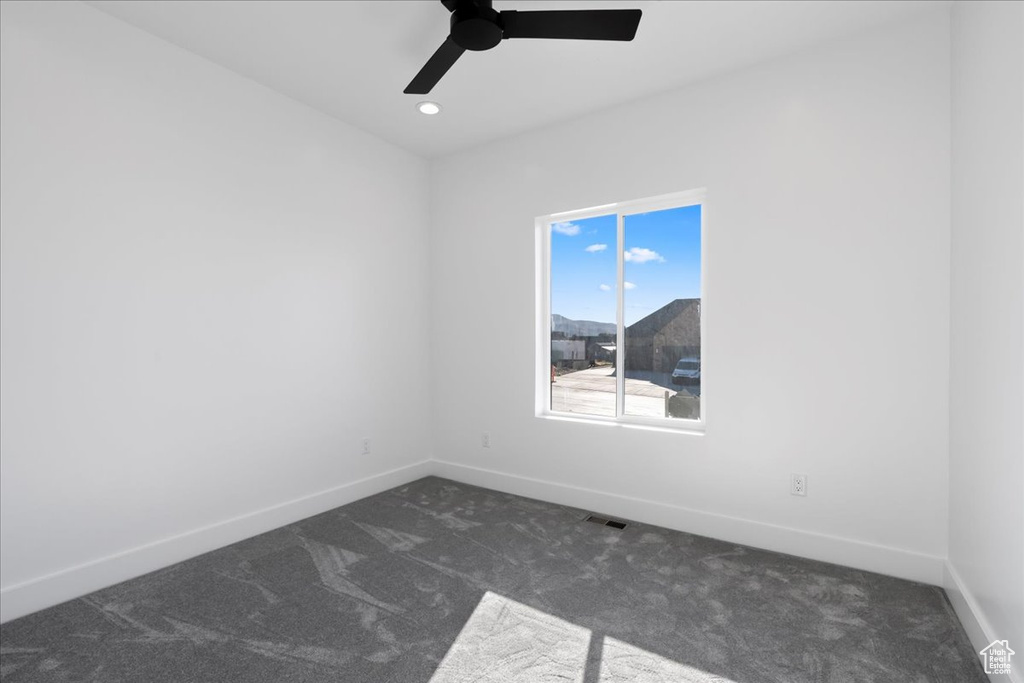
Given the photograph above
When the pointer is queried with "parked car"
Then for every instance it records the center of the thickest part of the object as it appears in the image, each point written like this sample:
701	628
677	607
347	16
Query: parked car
687	371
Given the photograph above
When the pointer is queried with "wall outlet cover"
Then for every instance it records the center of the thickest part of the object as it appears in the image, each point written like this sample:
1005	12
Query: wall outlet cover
798	484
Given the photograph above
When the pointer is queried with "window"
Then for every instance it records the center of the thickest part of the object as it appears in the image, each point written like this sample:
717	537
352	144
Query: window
620	306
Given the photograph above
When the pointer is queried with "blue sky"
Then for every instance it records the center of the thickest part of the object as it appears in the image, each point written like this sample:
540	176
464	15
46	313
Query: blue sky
662	264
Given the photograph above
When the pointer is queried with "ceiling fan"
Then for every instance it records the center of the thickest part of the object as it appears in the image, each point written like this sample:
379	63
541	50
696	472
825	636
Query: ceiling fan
475	25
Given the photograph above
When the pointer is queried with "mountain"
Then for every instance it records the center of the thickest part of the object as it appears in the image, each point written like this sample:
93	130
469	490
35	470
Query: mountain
579	328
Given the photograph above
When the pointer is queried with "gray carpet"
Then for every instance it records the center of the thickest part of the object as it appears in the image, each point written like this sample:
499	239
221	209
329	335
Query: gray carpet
449	583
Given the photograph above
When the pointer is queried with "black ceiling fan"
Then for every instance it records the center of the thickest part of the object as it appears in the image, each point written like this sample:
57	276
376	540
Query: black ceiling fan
475	25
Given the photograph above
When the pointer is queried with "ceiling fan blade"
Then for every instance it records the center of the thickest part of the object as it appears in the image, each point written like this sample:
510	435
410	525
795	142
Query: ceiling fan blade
436	67
576	24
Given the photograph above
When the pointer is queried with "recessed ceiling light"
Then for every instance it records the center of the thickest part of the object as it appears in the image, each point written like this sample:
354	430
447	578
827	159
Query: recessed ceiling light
429	108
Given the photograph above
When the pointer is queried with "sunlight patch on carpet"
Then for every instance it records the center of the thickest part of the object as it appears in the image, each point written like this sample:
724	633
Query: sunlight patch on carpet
508	642
505	641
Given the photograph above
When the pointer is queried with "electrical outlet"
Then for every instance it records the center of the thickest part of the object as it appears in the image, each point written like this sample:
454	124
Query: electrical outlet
798	484
366	446
485	439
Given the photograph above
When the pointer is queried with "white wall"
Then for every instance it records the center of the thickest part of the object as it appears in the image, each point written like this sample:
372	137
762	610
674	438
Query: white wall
827	303
208	296
986	494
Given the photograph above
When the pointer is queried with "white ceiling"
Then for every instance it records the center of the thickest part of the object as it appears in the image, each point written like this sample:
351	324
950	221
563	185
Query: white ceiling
352	59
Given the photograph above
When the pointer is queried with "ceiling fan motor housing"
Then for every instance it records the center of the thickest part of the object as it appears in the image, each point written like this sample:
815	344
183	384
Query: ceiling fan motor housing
476	26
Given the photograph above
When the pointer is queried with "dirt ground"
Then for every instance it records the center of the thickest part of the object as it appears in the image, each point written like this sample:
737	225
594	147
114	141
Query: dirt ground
592	392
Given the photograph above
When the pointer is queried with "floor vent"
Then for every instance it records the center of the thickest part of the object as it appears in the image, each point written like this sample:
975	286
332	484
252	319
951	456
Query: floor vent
604	521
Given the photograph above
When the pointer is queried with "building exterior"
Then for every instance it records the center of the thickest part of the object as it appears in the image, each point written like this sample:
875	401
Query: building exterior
601	351
655	343
568	349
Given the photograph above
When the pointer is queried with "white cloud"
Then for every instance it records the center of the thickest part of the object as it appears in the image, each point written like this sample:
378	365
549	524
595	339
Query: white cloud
567	229
605	288
594	248
642	255
628	285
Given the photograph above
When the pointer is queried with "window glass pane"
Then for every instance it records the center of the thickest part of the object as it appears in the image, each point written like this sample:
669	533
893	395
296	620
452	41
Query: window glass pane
583	305
661	274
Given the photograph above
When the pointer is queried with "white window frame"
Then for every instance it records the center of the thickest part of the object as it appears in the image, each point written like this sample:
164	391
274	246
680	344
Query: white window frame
543	306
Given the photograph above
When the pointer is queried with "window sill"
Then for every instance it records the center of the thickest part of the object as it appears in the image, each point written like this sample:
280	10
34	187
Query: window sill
689	428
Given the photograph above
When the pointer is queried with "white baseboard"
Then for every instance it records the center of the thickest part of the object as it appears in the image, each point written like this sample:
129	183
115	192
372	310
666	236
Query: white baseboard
978	628
30	596
45	591
851	553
